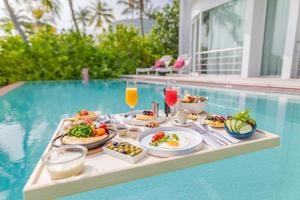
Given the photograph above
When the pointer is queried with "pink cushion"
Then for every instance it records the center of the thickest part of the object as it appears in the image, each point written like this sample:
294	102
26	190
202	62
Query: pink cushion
159	63
179	63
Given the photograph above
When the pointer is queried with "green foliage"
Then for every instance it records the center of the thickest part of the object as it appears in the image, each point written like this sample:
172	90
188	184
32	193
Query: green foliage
165	33
53	56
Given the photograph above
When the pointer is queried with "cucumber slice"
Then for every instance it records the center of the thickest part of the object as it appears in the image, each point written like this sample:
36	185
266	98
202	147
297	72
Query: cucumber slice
227	122
246	128
232	124
238	125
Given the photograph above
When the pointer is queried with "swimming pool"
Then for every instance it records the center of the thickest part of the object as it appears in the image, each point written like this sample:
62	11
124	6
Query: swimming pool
30	114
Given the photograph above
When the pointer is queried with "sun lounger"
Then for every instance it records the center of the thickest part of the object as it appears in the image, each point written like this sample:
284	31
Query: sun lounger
165	59
186	58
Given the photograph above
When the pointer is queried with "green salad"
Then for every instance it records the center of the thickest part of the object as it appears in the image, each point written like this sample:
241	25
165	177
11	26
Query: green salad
81	131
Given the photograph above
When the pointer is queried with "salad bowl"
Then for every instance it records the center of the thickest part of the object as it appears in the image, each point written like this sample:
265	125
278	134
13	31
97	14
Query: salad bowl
89	144
239	135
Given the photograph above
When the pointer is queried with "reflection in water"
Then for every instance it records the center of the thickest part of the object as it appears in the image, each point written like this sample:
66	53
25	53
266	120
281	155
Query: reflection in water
32	112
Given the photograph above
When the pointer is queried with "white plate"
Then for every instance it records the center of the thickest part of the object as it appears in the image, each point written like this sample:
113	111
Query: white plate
189	122
195	141
136	122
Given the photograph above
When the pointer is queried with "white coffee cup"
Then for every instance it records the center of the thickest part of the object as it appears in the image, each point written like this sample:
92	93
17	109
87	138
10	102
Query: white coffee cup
182	116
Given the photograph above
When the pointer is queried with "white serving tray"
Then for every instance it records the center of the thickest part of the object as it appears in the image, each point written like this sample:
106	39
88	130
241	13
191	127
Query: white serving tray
104	170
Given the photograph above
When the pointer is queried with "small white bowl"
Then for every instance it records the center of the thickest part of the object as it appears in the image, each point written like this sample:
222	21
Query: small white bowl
65	161
133	132
122	130
192	107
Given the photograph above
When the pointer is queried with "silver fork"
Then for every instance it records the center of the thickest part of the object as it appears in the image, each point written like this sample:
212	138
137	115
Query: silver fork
207	138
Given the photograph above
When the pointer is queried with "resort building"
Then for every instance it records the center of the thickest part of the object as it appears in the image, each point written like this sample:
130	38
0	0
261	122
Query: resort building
250	38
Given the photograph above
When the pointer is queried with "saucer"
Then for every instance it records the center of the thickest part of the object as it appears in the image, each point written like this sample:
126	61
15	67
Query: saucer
189	122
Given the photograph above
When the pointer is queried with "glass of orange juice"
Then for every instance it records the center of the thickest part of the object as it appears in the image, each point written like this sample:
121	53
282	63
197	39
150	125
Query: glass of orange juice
131	95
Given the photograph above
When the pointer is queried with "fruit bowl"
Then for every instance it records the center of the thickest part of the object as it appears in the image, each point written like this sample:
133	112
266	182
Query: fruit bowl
192	107
238	135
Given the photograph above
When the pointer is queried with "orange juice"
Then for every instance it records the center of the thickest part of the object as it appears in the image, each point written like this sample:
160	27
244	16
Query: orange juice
131	97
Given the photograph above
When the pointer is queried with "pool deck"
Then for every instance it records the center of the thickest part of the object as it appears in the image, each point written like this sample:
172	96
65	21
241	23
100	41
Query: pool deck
261	84
5	89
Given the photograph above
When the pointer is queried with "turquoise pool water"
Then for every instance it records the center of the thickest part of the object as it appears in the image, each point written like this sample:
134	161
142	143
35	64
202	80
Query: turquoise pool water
30	114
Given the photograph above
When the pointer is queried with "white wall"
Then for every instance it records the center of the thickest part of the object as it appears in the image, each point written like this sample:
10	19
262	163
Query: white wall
292	36
254	29
185	27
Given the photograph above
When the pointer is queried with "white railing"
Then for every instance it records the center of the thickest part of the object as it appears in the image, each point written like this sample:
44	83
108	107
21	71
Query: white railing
222	61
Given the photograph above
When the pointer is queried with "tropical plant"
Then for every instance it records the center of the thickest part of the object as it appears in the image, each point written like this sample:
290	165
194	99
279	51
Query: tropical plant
73	14
83	17
165	32
129	7
149	10
143	7
61	56
15	21
100	14
22	18
51	6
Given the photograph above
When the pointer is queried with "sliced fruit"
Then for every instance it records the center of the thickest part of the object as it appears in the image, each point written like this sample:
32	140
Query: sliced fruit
227	122
245	128
232	124
237	125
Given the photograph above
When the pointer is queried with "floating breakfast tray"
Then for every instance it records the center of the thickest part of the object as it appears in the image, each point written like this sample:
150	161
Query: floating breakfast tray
103	170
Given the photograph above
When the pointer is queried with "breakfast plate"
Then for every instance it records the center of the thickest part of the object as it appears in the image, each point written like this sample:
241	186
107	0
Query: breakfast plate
170	141
143	121
215	121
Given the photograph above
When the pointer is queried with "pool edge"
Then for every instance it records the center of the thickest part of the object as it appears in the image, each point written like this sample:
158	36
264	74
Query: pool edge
6	89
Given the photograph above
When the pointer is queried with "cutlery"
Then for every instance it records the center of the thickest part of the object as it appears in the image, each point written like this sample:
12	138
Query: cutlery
226	138
207	139
214	136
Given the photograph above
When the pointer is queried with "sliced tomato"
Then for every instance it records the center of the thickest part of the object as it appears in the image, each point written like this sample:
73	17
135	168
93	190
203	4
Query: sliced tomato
88	121
84	112
157	136
103	126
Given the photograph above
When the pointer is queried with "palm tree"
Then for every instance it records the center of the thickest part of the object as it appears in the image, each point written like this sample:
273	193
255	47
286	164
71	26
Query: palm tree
51	6
149	10
22	19
83	16
73	14
15	21
129	7
39	20
100	14
141	8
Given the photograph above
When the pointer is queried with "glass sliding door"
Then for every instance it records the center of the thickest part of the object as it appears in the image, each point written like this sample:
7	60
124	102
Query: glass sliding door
223	26
222	32
275	35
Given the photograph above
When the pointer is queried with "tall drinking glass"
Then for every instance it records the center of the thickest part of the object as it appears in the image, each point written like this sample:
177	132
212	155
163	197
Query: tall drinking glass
131	95
171	97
